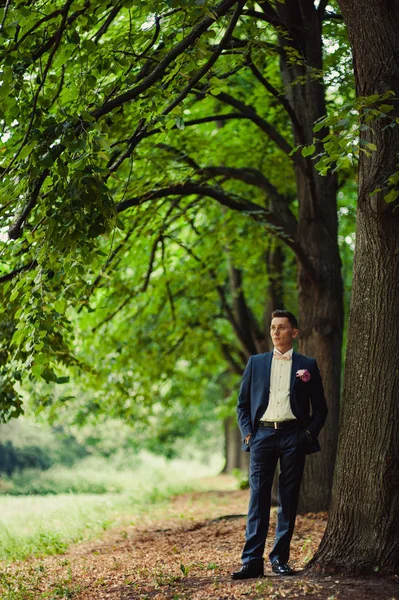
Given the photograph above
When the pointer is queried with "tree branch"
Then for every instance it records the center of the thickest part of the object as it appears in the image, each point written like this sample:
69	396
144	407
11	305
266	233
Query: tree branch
235	366
222	296
270	131
322	7
280	97
328	15
255	211
14	230
108	262
247	175
243	314
280	203
54	38
12	274
44	19
118	309
141	130
114	313
159	238
57	40
151	262
160	69
224	6
210	119
154	37
271	17
211	61
6	7
245	340
60	86
137	136
180	154
104	27
133	141
167	282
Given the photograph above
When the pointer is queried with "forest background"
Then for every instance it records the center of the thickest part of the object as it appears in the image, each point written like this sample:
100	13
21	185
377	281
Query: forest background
171	173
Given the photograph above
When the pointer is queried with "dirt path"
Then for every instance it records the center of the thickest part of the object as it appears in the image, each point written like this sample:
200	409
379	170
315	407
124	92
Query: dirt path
187	551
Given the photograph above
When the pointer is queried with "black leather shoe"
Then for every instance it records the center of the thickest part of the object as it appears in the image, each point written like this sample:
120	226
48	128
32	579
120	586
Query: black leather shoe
281	568
249	570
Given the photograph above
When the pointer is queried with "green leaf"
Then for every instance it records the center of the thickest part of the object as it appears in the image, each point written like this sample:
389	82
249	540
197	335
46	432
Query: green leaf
60	306
26	150
14	295
37	370
294	150
41	359
47	159
103	143
386	108
319	125
4	89
308	150
391	196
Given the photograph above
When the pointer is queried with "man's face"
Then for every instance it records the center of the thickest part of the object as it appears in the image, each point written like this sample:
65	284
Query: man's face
282	333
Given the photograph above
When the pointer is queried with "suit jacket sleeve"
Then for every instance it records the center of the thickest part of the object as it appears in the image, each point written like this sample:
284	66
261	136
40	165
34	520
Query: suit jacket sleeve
244	402
318	403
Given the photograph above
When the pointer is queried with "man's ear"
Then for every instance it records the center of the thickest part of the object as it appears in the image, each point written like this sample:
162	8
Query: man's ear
295	333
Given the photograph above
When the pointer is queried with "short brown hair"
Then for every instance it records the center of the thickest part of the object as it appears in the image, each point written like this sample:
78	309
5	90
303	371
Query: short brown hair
287	314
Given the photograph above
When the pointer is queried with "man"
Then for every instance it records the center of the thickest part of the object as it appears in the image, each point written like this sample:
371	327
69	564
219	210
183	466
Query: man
278	390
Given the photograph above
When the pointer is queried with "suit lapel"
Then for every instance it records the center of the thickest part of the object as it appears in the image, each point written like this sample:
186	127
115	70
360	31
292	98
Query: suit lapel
263	379
268	360
296	365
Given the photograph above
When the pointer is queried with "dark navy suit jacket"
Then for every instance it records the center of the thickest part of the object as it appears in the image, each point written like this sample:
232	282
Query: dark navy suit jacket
307	399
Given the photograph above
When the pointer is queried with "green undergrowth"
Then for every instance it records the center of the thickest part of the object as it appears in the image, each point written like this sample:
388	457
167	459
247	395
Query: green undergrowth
25	585
37	525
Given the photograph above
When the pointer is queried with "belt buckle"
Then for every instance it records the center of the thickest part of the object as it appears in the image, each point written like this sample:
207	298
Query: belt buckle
275	424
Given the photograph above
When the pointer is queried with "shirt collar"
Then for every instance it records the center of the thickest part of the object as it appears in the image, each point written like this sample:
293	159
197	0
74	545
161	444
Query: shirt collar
288	353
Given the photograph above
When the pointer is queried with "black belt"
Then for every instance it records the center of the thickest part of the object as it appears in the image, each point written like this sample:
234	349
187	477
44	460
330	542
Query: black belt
291	424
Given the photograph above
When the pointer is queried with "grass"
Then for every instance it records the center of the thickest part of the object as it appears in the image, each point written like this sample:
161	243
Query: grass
35	525
56	579
24	586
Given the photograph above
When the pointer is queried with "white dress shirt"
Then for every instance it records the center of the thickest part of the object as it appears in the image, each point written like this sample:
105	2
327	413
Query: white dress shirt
279	407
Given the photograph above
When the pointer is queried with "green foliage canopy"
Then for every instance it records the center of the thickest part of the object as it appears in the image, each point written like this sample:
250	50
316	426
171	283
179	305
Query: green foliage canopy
107	112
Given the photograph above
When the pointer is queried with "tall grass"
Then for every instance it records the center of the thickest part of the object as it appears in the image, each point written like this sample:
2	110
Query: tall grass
47	524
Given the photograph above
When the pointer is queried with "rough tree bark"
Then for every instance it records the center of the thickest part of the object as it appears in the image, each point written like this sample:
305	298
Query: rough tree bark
362	534
320	295
235	457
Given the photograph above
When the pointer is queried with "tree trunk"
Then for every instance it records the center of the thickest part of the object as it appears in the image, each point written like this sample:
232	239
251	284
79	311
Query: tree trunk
362	533
275	259
235	457
320	293
321	327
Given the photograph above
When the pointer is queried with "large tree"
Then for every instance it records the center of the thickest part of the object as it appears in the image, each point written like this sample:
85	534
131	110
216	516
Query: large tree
83	105
363	528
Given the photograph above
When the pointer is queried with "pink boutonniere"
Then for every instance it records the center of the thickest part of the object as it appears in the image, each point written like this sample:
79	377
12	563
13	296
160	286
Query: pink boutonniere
304	375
